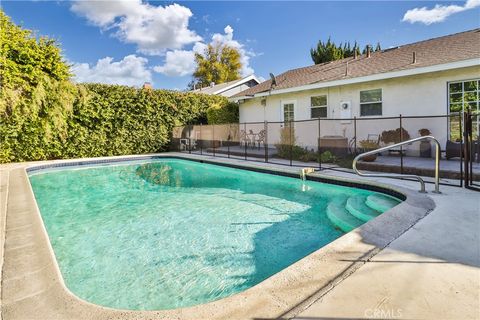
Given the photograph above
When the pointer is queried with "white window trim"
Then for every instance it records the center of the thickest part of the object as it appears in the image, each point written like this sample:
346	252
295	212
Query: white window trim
284	102
324	106
362	103
463	106
463	92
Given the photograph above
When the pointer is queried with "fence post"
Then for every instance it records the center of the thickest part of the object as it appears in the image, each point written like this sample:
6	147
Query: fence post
401	147
466	145
291	143
189	139
355	135
460	128
245	141
318	146
201	141
265	141
213	139
229	139
471	157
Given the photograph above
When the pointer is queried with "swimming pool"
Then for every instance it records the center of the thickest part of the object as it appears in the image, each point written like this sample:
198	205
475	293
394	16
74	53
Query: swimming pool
169	233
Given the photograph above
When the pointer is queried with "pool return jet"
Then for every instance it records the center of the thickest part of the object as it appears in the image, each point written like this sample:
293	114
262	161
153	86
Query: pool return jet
303	177
304	172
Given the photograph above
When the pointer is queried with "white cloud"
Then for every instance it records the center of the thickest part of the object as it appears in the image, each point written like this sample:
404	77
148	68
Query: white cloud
177	63
438	13
154	29
227	39
130	71
181	62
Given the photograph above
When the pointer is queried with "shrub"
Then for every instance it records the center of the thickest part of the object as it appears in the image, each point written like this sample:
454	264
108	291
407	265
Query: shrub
424	132
36	97
327	157
287	139
287	147
45	116
219	114
389	136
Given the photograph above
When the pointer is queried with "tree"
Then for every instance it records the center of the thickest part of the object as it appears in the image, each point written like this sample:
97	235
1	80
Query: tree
326	51
329	51
219	64
36	95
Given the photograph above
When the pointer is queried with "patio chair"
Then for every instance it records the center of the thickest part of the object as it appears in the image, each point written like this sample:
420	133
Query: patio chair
351	146
260	138
371	137
455	150
244	139
183	144
193	144
252	137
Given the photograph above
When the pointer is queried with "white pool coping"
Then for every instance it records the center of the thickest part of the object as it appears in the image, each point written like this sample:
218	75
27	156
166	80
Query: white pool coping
32	283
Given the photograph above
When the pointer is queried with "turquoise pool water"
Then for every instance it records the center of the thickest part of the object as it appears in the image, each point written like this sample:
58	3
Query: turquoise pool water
169	233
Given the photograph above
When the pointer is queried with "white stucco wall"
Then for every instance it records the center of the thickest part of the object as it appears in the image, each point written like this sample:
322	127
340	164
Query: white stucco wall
410	96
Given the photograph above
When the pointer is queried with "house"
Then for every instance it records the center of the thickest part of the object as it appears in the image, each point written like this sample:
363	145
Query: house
230	88
434	77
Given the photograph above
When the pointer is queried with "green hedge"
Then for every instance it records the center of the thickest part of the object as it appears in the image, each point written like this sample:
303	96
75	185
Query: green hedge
45	116
219	114
101	120
116	120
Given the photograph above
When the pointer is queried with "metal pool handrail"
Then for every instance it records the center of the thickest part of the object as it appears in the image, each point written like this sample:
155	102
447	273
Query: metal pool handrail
401	176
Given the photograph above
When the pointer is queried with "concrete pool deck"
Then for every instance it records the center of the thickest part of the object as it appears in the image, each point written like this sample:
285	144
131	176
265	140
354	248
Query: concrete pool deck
391	267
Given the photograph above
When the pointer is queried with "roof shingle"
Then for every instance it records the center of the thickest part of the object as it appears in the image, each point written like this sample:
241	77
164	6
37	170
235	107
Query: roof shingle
450	48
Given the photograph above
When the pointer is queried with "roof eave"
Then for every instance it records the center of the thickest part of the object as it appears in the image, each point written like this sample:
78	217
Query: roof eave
373	77
239	82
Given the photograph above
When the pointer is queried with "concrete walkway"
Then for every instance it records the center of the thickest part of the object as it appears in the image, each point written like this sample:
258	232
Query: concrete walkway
430	272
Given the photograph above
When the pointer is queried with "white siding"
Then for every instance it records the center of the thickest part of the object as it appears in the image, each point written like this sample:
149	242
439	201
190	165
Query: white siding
410	96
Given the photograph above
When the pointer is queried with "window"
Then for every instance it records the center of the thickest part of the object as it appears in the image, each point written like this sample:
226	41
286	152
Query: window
371	102
318	107
464	96
288	112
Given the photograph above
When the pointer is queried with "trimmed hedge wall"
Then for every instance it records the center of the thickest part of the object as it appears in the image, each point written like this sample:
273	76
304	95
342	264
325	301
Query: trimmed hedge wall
116	120
218	114
102	120
45	116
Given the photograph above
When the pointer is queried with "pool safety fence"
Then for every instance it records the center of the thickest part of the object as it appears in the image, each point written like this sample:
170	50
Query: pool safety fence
331	144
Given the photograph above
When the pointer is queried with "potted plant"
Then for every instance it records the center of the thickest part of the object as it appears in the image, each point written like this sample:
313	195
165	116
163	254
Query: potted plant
425	146
366	146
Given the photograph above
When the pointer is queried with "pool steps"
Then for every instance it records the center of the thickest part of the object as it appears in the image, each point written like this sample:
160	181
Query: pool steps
356	210
341	218
381	202
357	207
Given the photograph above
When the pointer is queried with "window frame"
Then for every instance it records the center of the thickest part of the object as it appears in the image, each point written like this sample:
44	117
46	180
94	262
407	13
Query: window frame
370	102
318	107
282	109
462	103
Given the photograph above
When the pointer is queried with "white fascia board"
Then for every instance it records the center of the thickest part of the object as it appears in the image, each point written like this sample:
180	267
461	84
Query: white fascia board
240	82
240	98
373	77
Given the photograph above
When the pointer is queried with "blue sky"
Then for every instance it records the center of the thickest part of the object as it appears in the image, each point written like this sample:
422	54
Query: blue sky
132	41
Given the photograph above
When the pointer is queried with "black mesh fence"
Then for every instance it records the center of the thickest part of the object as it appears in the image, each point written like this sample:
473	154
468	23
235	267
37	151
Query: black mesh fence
472	149
332	144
